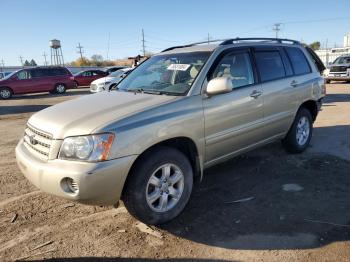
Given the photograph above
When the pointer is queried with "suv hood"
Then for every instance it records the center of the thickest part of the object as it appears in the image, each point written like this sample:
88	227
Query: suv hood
90	113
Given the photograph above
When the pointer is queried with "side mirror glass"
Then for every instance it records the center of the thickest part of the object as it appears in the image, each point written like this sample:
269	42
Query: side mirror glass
219	85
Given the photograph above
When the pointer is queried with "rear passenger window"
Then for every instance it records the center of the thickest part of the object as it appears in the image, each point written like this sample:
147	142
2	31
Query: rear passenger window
237	67
270	65
57	72
299	63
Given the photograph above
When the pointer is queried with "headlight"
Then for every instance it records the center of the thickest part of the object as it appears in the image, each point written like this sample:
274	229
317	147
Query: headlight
89	148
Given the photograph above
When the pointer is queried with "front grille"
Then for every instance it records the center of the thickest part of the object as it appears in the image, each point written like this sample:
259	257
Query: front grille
37	142
93	86
338	69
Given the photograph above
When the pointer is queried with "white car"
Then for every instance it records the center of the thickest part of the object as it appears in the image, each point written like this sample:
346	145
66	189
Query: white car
110	81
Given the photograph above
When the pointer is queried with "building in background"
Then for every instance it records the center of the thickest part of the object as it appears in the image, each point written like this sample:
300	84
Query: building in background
330	54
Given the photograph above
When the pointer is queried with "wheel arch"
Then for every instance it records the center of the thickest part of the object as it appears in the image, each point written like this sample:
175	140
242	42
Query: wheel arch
184	144
311	105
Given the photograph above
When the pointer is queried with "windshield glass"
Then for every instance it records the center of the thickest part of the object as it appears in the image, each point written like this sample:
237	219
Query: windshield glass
9	75
173	73
117	73
342	60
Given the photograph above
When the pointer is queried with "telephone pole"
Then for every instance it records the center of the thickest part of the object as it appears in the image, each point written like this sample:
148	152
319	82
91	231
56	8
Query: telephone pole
45	55
143	43
276	28
21	59
80	51
208	38
2	64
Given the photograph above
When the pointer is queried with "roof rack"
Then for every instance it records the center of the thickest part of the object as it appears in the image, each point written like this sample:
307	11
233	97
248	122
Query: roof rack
237	39
192	44
263	39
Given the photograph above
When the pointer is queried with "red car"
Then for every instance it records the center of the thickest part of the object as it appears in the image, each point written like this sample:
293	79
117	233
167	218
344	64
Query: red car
34	80
85	78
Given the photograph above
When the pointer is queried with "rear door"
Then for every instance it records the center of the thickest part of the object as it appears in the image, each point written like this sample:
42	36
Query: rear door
233	120
40	79
280	96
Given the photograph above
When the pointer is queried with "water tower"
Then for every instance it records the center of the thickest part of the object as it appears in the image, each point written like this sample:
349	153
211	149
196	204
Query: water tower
56	52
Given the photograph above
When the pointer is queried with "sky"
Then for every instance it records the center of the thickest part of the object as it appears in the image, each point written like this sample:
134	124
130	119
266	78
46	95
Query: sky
27	26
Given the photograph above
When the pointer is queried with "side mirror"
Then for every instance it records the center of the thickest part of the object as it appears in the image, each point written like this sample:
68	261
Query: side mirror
219	85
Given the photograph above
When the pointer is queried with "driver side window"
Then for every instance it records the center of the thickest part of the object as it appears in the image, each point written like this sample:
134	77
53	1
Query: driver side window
237	67
25	74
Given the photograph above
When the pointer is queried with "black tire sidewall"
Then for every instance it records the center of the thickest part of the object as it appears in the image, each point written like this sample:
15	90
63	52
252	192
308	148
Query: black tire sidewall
135	197
290	141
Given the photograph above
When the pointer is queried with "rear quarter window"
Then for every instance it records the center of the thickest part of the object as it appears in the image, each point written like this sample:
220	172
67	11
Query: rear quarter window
298	60
270	65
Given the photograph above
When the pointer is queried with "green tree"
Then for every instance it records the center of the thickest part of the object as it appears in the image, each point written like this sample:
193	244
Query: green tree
26	63
33	63
315	45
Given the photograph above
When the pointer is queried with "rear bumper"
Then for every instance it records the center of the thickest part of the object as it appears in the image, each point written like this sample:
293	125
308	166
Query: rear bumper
99	183
338	76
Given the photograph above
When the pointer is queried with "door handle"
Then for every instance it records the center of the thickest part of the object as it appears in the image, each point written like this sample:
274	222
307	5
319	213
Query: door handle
255	94
294	83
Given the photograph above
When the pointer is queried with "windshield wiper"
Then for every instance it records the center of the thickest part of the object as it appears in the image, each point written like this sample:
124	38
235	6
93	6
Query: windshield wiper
153	92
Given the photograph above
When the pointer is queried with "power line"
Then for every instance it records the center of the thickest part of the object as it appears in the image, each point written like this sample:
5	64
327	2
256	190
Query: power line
80	51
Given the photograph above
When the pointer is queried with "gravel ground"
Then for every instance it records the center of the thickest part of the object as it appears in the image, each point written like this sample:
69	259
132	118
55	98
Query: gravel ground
297	208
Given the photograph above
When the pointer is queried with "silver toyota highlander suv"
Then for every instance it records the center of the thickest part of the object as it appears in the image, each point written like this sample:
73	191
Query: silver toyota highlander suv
179	112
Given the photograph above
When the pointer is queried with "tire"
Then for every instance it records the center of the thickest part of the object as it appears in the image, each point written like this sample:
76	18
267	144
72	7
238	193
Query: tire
300	133
76	84
5	93
143	199
60	89
328	81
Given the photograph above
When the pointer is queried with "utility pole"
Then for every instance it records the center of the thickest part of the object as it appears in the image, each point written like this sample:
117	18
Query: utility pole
208	38
143	43
2	64
109	38
276	28
21	58
80	51
45	55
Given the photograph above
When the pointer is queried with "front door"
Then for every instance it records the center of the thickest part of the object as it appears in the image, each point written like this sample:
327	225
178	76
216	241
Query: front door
234	120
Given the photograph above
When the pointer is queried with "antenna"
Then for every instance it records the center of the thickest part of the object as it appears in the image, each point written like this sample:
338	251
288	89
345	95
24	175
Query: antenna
276	28
80	51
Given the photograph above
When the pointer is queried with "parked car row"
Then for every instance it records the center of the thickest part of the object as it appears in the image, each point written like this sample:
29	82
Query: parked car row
4	74
55	79
109	82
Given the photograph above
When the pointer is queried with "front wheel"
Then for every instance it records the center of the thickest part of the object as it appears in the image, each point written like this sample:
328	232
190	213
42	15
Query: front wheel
5	93
159	186
300	133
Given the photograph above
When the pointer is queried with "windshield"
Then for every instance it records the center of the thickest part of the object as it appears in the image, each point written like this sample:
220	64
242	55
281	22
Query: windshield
117	73
342	60
7	76
169	74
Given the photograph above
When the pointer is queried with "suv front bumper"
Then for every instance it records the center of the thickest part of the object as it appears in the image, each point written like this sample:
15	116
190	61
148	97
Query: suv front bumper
98	183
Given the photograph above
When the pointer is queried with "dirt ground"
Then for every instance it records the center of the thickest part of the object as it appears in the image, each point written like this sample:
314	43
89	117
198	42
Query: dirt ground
298	206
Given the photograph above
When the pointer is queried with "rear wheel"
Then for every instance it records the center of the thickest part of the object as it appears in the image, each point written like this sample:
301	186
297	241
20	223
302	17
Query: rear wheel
60	89
5	93
159	186
299	135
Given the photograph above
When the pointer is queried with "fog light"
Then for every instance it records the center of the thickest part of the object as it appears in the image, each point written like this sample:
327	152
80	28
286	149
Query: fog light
70	186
